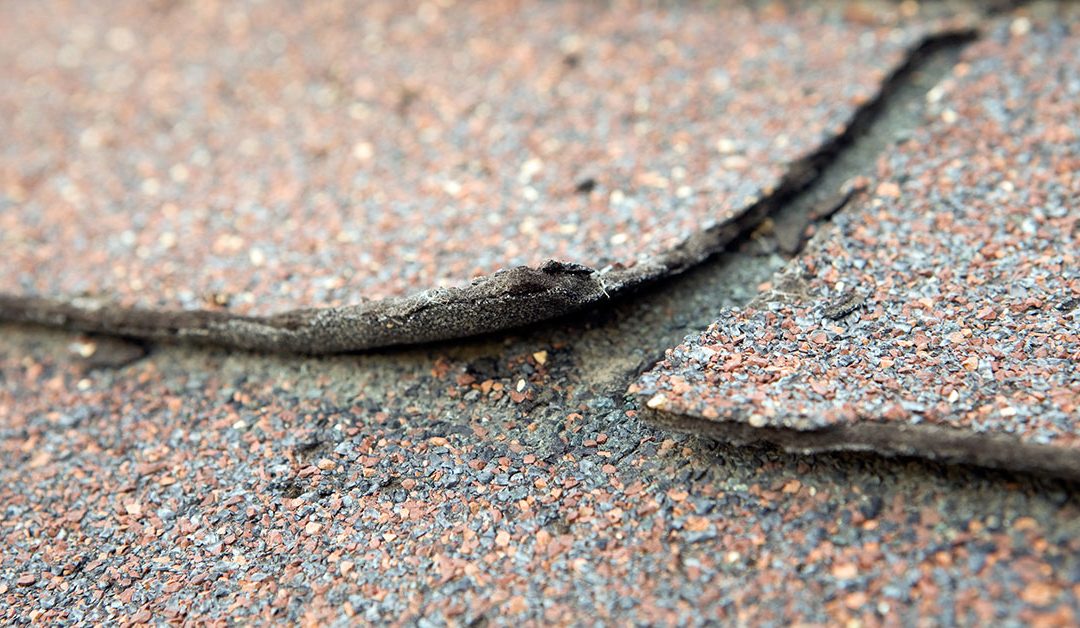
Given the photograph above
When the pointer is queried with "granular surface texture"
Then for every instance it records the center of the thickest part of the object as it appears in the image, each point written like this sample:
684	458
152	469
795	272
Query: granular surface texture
259	157
947	297
489	484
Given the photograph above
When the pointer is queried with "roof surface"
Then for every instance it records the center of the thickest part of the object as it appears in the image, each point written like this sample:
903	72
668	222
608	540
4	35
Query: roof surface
510	478
947	297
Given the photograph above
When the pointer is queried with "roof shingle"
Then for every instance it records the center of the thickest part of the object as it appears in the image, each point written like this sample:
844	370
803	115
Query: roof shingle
938	315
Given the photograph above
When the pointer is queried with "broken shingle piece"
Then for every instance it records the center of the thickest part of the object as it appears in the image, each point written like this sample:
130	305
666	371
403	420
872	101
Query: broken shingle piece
959	262
253	160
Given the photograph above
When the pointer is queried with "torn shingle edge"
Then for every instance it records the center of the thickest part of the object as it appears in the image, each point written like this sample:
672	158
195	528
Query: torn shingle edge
504	300
935	442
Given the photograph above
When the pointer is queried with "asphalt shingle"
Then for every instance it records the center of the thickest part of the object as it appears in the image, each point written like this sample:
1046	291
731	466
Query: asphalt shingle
260	158
938	315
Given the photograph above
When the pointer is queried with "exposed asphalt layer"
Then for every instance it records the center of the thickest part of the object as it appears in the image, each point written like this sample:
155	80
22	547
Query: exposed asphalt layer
938	315
213	173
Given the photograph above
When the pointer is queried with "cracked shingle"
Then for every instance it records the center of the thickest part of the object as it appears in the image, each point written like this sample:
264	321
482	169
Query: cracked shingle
252	160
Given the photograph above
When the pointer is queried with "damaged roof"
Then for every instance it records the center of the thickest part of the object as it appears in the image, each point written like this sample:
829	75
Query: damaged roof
938	316
512	478
174	169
